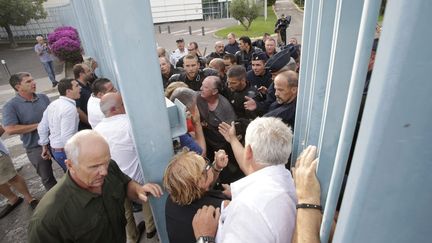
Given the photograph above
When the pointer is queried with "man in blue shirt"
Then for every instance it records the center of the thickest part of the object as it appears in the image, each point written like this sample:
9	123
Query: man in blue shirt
21	115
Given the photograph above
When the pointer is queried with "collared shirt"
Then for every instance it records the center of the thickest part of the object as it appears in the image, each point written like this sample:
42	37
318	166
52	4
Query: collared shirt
46	56
176	55
59	122
68	213
19	111
118	133
262	208
95	114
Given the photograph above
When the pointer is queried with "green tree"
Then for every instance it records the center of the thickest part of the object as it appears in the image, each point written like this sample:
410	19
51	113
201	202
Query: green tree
18	13
244	11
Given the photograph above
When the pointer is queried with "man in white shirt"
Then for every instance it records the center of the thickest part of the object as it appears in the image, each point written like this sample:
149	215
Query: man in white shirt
117	131
100	87
263	206
60	121
179	52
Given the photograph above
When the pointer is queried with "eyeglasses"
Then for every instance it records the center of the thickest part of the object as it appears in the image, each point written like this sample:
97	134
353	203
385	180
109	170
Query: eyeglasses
207	167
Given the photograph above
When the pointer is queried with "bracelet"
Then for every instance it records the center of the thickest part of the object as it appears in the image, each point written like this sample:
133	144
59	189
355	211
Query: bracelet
214	168
307	205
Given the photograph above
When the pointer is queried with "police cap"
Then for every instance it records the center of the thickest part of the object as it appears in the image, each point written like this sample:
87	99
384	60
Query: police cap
259	56
278	60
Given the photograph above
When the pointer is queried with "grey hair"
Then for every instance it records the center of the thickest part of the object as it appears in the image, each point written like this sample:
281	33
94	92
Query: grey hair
106	105
73	145
270	140
184	95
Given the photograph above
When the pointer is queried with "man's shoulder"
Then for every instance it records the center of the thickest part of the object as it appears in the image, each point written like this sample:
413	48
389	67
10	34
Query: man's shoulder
250	74
52	203
42	97
12	101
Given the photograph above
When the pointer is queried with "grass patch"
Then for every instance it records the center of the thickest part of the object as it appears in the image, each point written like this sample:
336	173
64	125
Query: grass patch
258	28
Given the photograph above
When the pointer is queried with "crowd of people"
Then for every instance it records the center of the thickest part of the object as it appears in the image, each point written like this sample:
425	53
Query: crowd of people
228	182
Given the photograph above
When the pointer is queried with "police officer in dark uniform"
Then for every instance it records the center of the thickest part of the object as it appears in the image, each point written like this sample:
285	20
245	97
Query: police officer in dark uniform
259	76
286	86
244	56
275	64
281	25
238	90
192	74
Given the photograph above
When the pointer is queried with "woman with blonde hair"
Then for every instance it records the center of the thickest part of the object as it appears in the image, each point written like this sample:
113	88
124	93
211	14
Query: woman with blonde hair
188	179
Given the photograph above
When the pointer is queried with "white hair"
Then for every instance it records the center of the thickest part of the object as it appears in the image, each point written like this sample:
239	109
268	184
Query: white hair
185	95
107	104
72	147
270	140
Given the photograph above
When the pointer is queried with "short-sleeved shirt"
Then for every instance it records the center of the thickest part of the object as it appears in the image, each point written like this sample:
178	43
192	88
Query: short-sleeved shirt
46	56
18	111
68	213
211	120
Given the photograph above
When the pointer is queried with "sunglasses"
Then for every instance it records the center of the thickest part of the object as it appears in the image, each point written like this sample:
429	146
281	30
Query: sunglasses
208	166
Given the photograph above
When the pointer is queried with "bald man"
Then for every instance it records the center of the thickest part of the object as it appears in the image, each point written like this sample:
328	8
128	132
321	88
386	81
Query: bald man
87	204
219	51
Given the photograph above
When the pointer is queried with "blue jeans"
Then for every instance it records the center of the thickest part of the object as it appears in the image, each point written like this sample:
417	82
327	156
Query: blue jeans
49	68
60	157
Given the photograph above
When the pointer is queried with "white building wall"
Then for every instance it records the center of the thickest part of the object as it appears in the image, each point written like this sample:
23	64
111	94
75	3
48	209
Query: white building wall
176	10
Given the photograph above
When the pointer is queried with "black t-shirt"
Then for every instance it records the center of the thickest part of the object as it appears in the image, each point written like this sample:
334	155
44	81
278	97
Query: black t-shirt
179	218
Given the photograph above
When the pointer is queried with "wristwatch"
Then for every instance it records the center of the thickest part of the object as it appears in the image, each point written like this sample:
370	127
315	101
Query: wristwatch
206	239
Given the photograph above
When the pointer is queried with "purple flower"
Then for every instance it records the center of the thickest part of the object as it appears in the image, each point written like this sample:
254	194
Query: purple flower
66	28
53	37
67	49
65	44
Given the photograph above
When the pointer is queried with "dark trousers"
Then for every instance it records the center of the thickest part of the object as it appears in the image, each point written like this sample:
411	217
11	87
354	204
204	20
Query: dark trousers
43	167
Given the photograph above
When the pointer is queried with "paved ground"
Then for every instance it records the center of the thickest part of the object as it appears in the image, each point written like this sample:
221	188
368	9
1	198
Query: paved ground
13	228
